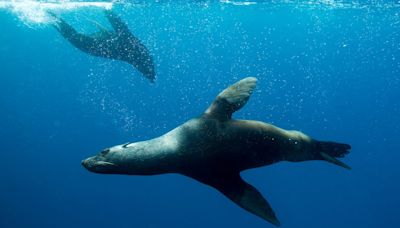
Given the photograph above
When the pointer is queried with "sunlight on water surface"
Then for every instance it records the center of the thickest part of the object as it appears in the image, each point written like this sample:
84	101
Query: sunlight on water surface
36	12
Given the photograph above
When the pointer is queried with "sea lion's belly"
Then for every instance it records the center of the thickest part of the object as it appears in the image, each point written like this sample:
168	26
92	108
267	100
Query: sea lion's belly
218	146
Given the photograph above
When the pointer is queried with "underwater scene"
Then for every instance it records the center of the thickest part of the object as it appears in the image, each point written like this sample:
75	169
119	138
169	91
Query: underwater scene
192	113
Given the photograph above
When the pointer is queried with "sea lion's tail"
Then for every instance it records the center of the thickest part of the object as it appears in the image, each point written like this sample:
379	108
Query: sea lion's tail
329	151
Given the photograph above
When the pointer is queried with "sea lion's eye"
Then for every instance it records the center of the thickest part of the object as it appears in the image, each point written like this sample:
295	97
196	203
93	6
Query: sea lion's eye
126	145
105	151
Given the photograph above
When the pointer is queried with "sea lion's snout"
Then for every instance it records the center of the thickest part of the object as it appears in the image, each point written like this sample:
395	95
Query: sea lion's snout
88	163
148	72
97	165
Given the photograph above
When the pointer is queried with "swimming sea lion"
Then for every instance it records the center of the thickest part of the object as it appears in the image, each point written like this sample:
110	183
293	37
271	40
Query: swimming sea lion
214	149
119	44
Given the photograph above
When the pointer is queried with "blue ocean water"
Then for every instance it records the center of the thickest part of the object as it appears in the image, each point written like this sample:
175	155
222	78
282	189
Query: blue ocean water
328	68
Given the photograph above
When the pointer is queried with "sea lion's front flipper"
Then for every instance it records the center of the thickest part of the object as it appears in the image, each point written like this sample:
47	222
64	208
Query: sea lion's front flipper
232	98
243	194
118	25
103	30
329	151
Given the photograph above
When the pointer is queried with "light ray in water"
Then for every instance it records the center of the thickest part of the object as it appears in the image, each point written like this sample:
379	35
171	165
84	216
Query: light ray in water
35	12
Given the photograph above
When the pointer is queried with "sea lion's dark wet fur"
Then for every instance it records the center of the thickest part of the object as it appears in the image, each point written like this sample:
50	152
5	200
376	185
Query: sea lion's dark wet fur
215	148
119	44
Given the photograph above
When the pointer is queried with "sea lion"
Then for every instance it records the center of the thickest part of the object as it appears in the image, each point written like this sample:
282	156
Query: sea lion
119	44
214	149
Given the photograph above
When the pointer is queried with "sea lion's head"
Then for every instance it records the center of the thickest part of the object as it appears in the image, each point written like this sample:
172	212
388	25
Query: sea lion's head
115	160
128	158
148	71
144	64
105	162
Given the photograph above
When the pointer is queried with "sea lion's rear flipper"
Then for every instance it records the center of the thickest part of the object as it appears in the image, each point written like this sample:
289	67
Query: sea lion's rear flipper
62	26
243	194
118	25
69	33
232	98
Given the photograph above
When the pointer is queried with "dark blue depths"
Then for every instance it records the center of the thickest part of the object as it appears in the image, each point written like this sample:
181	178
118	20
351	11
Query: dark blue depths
331	72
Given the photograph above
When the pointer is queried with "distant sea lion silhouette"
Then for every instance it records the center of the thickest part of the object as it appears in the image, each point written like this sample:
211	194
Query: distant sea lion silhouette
119	44
214	149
